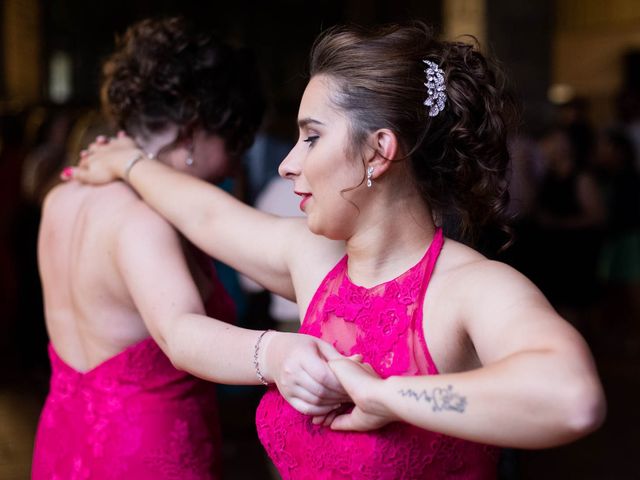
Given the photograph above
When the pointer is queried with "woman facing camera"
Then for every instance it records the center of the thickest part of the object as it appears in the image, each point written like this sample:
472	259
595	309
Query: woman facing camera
460	355
126	295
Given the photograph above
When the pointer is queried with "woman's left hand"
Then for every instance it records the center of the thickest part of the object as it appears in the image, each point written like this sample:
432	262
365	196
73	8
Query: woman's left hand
362	384
104	161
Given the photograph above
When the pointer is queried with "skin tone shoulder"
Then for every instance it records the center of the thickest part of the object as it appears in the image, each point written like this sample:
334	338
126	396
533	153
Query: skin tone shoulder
513	372
89	322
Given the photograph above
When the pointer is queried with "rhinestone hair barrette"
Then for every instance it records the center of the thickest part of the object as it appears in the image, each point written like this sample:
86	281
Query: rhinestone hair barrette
436	90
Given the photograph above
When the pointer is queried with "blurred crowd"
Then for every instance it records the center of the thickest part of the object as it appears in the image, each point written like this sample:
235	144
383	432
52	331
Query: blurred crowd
575	191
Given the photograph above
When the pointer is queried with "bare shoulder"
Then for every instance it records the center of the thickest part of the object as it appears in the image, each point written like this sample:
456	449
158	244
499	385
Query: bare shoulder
499	308
61	197
103	209
69	197
479	279
143	225
60	210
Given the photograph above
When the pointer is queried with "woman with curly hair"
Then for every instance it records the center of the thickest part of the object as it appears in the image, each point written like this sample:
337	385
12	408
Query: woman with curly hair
126	295
452	355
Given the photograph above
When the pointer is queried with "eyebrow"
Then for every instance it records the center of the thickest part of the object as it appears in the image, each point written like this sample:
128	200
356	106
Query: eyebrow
303	122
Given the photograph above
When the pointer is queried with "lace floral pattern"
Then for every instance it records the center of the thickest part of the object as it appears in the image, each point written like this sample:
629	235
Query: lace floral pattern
384	325
382	315
134	416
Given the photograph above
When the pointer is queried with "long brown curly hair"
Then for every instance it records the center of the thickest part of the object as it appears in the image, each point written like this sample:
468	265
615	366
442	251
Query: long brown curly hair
459	157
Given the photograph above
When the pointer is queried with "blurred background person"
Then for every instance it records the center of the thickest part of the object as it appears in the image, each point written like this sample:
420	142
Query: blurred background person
115	276
569	216
619	260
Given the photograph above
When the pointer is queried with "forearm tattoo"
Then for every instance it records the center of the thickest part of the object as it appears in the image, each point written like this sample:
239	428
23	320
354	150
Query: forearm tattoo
440	398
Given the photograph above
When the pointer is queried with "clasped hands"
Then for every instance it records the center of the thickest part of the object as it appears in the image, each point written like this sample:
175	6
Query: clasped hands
339	392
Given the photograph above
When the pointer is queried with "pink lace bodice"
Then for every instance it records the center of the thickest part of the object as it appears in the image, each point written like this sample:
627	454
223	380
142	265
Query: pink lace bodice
134	416
384	324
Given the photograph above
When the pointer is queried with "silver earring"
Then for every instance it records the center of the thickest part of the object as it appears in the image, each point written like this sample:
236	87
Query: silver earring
190	162
369	174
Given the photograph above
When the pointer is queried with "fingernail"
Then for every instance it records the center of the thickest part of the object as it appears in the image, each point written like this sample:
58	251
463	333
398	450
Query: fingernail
67	173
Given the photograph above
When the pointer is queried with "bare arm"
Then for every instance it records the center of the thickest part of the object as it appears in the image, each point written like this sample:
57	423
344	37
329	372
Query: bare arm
253	242
538	386
168	300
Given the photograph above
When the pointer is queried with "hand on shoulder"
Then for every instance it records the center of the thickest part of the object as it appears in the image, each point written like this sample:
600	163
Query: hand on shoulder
105	160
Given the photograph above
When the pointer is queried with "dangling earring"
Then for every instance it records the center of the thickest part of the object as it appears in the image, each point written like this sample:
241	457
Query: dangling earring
190	162
369	174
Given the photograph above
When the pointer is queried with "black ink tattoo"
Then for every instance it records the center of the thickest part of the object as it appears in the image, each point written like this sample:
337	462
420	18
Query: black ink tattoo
440	398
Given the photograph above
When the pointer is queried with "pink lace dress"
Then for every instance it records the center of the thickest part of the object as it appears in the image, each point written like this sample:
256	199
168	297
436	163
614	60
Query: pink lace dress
134	416
384	324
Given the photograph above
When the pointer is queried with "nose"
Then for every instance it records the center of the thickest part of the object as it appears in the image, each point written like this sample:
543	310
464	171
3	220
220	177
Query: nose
290	166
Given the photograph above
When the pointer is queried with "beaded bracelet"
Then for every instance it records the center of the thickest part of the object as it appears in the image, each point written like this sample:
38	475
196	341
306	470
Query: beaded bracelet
256	364
130	165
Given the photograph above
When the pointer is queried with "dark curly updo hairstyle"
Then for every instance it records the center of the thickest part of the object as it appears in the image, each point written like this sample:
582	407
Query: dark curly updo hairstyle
165	72
459	157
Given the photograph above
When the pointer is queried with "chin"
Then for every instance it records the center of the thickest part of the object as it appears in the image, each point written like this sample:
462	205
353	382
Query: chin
330	233
315	226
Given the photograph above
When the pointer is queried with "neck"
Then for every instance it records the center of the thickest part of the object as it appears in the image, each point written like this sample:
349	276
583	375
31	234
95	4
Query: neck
392	237
151	144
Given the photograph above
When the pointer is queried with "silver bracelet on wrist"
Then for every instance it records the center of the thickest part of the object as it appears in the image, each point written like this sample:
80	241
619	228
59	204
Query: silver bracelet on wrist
130	165
256	364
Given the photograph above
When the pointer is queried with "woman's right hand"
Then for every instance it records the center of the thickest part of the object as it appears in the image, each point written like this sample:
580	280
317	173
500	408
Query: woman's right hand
298	365
104	161
364	386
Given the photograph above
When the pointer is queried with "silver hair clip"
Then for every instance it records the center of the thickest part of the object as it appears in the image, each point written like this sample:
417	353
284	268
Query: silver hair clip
436	90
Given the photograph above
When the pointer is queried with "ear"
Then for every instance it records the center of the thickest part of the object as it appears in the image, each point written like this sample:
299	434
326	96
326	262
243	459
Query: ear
385	144
186	139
